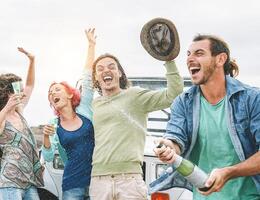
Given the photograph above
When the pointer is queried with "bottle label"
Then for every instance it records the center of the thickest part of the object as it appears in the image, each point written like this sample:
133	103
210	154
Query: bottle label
198	177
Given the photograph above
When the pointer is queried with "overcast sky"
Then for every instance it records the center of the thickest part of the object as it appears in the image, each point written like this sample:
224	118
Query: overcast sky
54	31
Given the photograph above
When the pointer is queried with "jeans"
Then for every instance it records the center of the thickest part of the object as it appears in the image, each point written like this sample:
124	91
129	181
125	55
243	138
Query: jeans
76	194
11	193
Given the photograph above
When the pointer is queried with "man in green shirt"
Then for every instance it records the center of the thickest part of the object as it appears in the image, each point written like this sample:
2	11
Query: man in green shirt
215	124
119	118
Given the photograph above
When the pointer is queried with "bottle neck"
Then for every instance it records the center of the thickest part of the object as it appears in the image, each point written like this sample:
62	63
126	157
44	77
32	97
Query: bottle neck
177	162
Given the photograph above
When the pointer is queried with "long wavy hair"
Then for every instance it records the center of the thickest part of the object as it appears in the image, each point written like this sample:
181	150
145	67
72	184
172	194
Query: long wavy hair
123	81
6	87
217	46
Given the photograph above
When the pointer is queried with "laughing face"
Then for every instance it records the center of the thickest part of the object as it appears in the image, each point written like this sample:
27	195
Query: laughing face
201	64
59	97
108	75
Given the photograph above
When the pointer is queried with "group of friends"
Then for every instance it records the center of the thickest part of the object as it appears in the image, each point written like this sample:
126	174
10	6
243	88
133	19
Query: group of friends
215	124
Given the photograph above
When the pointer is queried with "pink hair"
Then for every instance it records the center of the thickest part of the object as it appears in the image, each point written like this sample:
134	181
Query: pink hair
75	100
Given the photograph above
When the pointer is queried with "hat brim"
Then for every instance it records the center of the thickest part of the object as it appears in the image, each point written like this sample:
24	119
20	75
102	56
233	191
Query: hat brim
160	39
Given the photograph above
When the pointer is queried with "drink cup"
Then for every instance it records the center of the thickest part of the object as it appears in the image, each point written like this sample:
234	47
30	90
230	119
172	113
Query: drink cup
17	87
54	122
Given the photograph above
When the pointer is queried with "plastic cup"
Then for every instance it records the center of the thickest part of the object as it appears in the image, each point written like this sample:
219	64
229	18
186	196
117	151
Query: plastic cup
17	87
54	122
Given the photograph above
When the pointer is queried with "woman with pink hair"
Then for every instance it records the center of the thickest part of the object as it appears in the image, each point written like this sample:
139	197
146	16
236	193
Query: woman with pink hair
74	137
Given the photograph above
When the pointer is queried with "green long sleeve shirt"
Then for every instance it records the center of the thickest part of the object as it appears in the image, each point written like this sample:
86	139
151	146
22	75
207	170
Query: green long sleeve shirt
120	123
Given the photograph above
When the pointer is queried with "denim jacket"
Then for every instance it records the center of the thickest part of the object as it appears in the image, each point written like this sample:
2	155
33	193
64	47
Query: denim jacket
243	126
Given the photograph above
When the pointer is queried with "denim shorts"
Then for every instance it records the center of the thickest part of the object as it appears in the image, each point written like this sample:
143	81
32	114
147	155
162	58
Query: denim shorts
76	194
12	193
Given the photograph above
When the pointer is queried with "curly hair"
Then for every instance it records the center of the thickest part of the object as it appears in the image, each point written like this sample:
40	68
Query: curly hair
123	81
217	46
6	87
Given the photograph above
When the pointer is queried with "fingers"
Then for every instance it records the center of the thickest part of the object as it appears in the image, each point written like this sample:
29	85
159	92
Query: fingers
91	30
168	156
14	100
215	182
90	33
22	50
22	95
29	55
211	179
165	153
48	130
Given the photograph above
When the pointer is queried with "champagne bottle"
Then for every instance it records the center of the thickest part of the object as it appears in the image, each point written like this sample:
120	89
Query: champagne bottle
191	172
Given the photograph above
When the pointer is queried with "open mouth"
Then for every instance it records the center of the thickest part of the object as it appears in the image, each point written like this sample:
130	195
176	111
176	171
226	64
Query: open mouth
56	99
107	79
194	70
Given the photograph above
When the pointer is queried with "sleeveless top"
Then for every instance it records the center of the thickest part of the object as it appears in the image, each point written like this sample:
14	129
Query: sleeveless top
79	145
19	164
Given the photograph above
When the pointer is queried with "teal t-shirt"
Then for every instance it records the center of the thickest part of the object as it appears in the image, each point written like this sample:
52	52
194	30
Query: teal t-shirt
214	149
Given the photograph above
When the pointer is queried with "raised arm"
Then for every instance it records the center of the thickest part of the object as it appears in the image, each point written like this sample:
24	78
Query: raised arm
30	79
151	100
90	34
86	84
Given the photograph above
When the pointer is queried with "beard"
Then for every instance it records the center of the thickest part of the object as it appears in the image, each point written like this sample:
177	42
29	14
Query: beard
206	75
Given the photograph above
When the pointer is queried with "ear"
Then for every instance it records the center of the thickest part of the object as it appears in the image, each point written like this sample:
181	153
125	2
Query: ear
70	96
120	73
221	59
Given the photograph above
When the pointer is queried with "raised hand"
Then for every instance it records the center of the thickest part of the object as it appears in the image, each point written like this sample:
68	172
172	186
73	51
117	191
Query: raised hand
29	55
13	102
90	33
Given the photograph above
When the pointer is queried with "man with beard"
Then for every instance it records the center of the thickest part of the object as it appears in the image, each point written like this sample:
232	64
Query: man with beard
119	119
215	124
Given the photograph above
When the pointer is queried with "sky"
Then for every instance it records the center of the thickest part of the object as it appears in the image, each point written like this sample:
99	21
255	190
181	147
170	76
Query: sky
53	30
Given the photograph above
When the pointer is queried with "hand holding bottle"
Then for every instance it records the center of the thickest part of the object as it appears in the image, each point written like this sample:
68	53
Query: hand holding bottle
216	180
165	150
187	169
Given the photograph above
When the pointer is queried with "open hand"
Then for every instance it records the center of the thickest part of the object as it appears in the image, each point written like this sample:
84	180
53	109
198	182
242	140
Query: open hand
90	33
29	55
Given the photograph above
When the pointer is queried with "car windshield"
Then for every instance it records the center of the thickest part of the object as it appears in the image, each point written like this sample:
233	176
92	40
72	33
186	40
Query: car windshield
157	120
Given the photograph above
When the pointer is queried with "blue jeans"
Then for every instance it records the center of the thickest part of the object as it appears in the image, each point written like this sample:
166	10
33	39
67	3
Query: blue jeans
11	193
76	194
